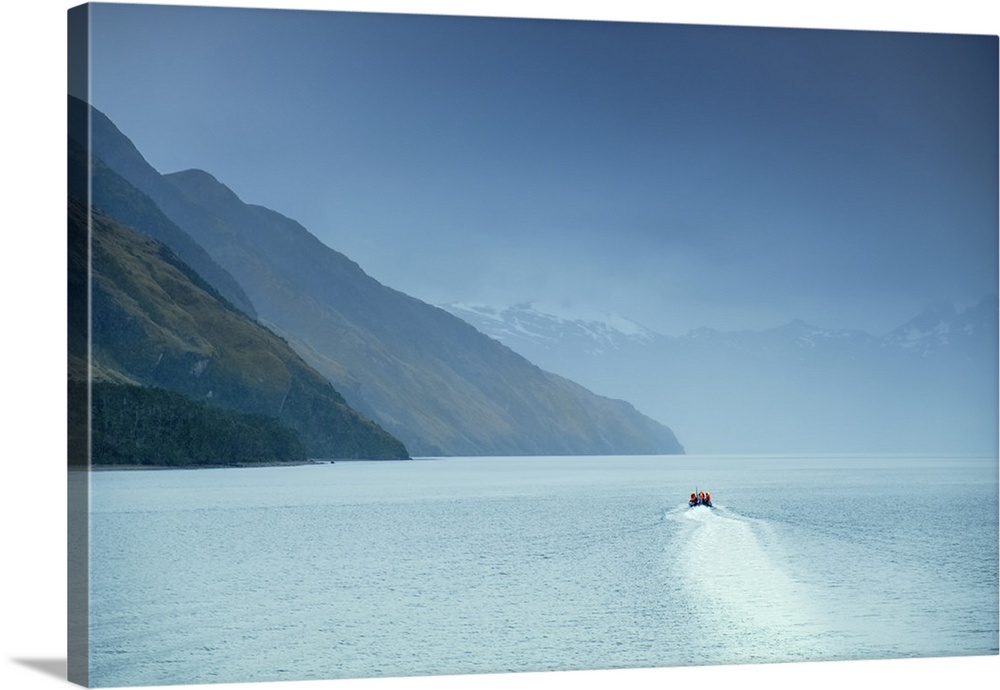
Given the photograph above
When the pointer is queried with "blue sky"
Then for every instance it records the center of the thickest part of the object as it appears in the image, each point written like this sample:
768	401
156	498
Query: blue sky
681	176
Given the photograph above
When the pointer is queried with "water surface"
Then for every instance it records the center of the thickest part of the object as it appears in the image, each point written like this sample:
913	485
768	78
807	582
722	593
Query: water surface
465	565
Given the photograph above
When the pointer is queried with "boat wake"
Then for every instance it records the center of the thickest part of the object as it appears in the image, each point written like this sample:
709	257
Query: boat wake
746	605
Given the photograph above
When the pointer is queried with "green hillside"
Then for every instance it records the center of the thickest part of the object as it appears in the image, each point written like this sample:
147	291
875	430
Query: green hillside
155	323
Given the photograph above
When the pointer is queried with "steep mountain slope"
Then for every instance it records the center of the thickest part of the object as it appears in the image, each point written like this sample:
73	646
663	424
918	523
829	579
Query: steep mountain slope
154	322
110	193
430	378
426	376
928	386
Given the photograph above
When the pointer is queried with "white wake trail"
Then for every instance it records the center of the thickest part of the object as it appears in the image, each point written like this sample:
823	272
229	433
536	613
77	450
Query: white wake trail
747	606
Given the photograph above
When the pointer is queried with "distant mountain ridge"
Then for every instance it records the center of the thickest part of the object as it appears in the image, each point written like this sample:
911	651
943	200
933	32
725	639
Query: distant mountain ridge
427	377
941	329
928	385
936	327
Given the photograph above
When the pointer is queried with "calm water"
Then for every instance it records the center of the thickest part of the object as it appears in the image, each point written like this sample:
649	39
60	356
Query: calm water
527	564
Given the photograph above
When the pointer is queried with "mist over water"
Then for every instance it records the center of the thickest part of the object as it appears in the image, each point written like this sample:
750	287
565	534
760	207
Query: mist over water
466	565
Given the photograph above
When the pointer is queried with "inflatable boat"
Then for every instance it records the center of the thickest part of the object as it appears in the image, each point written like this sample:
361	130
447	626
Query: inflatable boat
700	498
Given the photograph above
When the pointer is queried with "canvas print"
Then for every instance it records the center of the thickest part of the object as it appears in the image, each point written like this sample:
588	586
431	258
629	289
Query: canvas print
421	345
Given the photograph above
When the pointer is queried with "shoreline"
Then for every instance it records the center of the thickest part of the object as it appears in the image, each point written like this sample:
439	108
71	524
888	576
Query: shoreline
140	468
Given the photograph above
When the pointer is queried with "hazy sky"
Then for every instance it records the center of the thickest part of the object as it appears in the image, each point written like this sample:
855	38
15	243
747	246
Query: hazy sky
681	176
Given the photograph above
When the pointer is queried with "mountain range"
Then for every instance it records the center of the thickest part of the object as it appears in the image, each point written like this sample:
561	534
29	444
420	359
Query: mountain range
275	304
423	375
929	385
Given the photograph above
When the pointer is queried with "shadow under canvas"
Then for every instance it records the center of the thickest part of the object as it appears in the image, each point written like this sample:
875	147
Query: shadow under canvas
50	667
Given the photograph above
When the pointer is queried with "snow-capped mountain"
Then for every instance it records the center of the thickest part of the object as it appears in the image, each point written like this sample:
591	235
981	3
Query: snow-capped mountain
942	328
527	326
929	385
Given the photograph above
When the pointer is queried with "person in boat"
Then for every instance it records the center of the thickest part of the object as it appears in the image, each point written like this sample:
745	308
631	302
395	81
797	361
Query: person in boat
694	500
708	499
701	497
